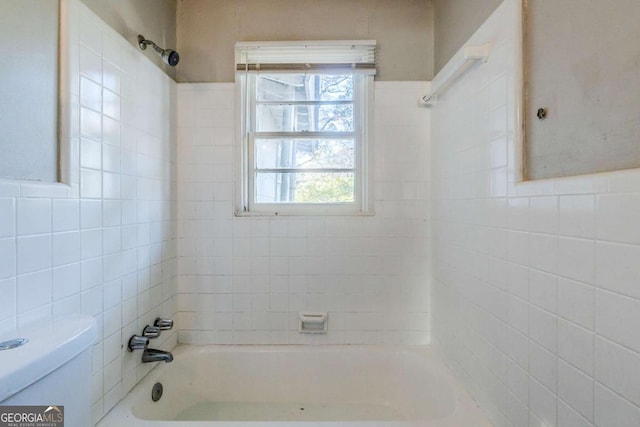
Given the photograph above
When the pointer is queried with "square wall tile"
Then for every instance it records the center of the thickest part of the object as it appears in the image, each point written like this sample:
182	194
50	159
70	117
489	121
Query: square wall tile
7	258
33	253
576	259
66	281
577	216
90	183
575	346
543	215
617	368
66	248
617	268
618	319
617	217
613	410
34	290
34	216
66	215
576	302
576	388
8	302
7	217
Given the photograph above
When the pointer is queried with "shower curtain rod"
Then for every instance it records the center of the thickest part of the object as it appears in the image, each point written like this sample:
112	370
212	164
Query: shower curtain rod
455	68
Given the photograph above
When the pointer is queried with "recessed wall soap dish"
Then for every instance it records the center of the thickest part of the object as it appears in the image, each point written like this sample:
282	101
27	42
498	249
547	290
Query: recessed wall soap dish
313	322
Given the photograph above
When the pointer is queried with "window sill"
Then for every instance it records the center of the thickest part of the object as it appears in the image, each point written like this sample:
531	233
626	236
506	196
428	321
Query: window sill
318	212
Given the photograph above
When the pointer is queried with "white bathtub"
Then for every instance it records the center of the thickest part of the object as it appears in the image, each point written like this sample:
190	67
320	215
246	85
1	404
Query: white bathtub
298	386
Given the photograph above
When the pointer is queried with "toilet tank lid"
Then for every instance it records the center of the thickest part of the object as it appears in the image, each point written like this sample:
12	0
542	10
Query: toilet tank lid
51	344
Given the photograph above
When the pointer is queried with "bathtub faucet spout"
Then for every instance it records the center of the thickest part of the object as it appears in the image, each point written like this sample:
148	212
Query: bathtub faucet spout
153	355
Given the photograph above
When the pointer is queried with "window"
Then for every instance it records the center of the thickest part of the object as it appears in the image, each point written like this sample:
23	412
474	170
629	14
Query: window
304	132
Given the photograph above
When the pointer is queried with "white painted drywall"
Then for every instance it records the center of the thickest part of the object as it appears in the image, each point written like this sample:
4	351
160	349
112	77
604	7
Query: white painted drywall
583	65
29	90
455	21
209	29
154	19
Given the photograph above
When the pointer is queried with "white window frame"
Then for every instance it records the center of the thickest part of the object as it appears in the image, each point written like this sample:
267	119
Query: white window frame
363	93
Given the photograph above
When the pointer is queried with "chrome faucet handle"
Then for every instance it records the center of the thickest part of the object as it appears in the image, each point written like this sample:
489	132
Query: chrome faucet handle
137	342
151	332
163	324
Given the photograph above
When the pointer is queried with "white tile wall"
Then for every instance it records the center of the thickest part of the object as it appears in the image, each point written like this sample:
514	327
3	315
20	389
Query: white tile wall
559	257
244	280
62	254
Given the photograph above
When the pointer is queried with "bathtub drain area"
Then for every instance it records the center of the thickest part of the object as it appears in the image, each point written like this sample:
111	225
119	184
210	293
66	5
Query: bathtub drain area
259	411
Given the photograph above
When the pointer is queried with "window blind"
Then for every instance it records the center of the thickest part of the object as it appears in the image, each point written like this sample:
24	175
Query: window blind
344	55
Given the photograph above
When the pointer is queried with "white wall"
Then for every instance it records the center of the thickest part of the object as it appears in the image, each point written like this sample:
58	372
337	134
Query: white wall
154	19
454	22
583	67
29	90
244	280
209	29
535	296
104	244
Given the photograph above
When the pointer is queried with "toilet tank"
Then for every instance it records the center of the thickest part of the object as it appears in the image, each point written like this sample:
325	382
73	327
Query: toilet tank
53	368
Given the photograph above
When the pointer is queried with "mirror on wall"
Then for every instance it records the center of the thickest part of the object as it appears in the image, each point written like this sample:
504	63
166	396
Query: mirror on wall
582	96
29	52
